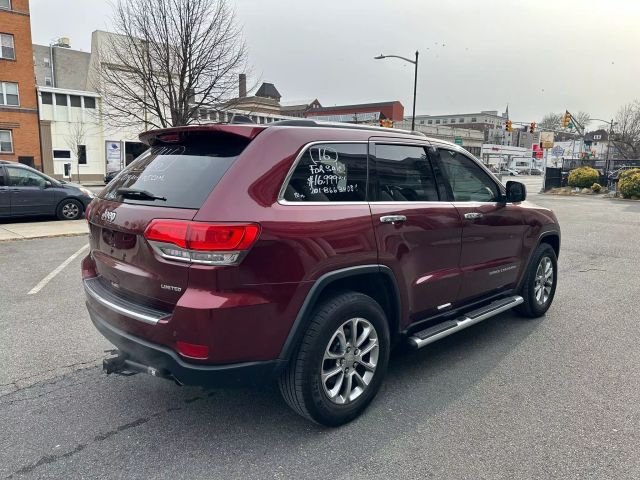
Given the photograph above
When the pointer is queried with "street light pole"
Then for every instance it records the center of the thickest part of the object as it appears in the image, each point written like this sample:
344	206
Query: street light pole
415	81
415	87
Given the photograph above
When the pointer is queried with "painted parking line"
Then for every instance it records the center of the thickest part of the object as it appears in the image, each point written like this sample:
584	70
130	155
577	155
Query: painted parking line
42	283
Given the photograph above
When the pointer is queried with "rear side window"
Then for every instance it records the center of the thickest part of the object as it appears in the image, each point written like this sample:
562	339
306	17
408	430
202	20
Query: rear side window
404	174
330	172
182	176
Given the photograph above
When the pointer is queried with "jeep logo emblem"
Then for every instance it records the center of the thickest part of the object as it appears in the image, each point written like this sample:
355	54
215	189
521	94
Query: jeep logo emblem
108	216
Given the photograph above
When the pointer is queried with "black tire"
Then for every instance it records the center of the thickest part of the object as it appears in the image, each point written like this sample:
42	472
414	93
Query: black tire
69	209
532	307
301	384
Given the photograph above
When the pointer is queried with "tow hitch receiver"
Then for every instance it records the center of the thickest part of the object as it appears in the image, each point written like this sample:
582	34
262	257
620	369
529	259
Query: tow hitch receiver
117	362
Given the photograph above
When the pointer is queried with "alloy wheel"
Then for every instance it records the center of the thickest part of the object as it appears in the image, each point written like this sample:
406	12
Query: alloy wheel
544	281
350	361
70	210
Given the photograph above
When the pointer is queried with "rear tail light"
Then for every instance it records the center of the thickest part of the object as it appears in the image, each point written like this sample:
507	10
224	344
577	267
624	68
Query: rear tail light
197	242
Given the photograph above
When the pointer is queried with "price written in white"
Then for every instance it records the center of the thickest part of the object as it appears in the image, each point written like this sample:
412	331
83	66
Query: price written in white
329	178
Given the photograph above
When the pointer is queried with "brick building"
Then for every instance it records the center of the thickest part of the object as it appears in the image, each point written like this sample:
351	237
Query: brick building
19	133
360	113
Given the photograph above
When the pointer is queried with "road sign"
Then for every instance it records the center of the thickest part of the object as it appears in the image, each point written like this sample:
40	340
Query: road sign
458	141
557	151
546	138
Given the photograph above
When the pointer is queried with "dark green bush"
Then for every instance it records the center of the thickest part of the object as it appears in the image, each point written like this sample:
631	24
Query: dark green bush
583	177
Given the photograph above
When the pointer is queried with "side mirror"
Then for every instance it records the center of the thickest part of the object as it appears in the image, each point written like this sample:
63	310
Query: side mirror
47	184
516	192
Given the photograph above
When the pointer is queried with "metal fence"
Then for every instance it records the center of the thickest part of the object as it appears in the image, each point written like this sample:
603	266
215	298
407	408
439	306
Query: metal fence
569	164
608	178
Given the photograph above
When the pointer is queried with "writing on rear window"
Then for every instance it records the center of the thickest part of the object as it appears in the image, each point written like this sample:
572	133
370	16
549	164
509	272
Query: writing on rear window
335	172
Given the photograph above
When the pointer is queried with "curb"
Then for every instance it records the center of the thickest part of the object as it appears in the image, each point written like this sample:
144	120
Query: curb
53	235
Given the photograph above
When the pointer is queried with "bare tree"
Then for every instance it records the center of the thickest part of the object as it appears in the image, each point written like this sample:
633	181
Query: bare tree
75	139
169	59
551	121
626	136
583	118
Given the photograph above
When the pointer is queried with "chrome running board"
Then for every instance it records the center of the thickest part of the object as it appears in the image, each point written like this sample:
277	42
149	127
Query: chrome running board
444	329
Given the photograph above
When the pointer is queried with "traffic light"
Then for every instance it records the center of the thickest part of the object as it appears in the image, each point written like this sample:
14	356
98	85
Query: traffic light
532	127
508	126
566	119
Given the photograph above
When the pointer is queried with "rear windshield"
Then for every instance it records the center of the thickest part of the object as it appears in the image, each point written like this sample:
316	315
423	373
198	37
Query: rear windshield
181	176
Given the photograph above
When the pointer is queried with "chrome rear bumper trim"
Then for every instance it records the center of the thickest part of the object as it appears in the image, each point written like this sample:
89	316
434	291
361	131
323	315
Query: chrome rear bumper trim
96	291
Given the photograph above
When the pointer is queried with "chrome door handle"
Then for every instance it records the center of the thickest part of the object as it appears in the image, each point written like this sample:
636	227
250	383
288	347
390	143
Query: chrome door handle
393	219
472	215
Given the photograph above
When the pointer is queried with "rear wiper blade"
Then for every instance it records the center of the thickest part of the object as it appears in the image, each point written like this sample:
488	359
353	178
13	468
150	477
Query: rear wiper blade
138	194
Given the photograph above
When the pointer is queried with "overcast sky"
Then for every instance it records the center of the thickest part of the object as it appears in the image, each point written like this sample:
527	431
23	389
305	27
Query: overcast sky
537	56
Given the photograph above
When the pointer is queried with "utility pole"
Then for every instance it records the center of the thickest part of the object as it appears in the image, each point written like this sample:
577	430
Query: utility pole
606	160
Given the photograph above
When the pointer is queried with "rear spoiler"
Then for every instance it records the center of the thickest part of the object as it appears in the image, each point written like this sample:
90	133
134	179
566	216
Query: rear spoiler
177	134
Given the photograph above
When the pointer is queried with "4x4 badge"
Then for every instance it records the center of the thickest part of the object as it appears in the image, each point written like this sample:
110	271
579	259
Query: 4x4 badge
108	216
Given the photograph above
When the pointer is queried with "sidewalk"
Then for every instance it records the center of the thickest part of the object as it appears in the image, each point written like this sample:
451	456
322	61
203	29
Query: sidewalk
55	228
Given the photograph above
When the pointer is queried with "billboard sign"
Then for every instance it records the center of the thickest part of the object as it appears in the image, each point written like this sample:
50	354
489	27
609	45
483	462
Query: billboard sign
546	139
113	154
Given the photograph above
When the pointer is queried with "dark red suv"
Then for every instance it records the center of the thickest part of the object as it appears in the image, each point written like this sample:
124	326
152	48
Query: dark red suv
304	252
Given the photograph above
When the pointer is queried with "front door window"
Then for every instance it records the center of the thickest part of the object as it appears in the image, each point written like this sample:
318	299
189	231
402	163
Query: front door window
467	180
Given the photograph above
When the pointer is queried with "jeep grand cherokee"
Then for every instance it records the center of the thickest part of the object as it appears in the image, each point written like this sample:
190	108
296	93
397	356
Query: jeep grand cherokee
302	252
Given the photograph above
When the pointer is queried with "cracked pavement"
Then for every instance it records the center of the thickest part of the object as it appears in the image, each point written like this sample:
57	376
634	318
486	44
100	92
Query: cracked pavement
507	398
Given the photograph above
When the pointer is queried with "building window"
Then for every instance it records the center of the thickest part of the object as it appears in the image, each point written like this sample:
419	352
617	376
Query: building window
89	102
75	101
437	122
7	48
6	142
82	154
421	122
46	61
461	120
48	82
61	154
61	100
429	122
473	119
6	4
47	98
9	94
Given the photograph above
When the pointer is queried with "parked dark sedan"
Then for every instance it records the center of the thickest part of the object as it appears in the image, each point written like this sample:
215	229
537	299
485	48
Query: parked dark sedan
25	191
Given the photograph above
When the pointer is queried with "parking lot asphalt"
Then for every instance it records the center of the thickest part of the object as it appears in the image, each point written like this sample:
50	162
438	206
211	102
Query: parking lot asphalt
555	397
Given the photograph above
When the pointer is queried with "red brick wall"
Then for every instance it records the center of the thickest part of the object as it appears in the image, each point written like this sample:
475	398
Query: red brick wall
392	110
23	120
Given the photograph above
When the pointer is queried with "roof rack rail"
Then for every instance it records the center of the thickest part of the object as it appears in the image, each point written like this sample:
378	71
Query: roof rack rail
315	123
